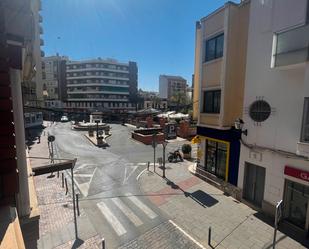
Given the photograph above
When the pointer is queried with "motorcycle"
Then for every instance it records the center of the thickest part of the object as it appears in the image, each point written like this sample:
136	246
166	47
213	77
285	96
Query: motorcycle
173	156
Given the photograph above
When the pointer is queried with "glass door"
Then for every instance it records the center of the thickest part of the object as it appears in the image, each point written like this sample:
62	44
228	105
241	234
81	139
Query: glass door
296	203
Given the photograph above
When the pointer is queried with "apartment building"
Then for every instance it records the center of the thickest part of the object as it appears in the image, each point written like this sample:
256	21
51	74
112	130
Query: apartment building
101	84
221	41
170	85
54	80
274	155
32	92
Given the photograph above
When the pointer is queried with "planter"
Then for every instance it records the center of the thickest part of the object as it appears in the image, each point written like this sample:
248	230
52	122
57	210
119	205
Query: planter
187	155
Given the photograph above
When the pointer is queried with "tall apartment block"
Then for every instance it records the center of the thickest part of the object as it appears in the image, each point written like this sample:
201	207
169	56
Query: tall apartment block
219	78
274	155
54	80
32	86
101	85
169	85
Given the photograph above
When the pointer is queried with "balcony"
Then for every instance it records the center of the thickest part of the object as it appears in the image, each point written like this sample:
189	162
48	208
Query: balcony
292	47
42	53
40	19
303	149
41	42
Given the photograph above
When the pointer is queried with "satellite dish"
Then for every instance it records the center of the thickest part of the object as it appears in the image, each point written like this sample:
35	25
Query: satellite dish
51	138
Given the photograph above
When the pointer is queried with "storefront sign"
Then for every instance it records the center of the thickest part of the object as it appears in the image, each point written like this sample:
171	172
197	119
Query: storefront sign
298	173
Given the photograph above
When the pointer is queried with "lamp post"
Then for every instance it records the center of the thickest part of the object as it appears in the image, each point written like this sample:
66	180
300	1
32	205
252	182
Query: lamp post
239	124
164	146
97	122
154	145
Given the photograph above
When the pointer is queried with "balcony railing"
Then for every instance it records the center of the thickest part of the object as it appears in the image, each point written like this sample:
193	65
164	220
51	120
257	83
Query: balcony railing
292	47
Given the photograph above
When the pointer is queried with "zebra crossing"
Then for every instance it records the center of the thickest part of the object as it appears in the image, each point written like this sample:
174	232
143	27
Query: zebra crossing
119	209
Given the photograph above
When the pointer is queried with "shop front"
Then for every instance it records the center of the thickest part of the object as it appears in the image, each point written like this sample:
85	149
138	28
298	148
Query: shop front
296	198
219	153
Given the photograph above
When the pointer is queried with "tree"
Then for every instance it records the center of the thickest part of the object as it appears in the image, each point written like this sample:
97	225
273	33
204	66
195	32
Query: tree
136	99
180	100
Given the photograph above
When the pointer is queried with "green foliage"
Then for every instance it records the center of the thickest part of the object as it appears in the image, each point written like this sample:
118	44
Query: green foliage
186	148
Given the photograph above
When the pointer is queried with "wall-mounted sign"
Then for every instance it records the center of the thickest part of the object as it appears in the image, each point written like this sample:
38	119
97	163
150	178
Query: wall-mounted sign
297	173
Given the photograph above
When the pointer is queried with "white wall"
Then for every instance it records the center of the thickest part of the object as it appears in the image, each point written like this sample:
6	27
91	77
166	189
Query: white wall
163	86
283	89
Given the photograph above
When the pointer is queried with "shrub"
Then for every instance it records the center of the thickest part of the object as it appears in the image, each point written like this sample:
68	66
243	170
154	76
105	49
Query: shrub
186	148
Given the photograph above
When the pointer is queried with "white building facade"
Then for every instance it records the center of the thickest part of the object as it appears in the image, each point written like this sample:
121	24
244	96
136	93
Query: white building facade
274	155
170	85
53	79
101	84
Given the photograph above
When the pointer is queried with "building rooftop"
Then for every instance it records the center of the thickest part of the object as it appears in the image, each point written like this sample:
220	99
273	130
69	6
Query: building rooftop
175	77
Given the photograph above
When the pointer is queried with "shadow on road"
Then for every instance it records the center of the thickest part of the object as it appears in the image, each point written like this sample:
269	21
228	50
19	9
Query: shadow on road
199	196
285	229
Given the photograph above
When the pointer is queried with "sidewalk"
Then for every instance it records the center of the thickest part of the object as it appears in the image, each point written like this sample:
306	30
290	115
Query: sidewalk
56	227
195	205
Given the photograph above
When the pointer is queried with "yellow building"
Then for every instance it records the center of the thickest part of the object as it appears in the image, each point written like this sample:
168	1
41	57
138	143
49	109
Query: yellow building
219	76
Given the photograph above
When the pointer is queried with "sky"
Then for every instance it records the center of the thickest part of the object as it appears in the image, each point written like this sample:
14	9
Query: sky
158	34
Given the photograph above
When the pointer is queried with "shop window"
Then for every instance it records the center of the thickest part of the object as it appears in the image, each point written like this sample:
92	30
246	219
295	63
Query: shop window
305	124
296	203
214	48
212	101
216	158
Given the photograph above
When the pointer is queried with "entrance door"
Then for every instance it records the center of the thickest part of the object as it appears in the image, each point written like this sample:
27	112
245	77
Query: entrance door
296	203
254	183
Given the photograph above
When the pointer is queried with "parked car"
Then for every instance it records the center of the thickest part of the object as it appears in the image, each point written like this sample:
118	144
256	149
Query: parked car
64	119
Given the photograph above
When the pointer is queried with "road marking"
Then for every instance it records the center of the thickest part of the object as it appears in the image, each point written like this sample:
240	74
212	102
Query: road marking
139	175
126	178
127	211
112	220
82	175
186	234
142	206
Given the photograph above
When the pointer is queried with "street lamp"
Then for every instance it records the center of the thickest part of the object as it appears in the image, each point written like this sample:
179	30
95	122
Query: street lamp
164	146
97	122
239	124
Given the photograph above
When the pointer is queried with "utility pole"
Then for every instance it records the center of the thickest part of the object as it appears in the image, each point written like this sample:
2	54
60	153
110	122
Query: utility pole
154	145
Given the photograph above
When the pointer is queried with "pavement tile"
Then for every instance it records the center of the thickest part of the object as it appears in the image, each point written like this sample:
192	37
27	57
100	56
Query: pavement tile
233	223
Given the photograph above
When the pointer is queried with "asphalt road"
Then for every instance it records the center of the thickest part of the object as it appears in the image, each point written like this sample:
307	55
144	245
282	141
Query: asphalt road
107	180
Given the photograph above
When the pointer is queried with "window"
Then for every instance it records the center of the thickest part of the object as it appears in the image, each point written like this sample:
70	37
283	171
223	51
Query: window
214	48
305	125
259	110
216	158
212	101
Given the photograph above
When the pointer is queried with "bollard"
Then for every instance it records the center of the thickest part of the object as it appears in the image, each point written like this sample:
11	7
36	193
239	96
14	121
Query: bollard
57	174
209	236
148	164
103	243
62	180
66	186
77	205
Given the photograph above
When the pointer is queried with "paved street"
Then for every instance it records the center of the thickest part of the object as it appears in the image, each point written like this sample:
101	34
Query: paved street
106	178
195	206
134	208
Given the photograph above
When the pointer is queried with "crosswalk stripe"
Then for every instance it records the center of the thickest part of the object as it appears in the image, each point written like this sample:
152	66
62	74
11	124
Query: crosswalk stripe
117	226
142	206
127	211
